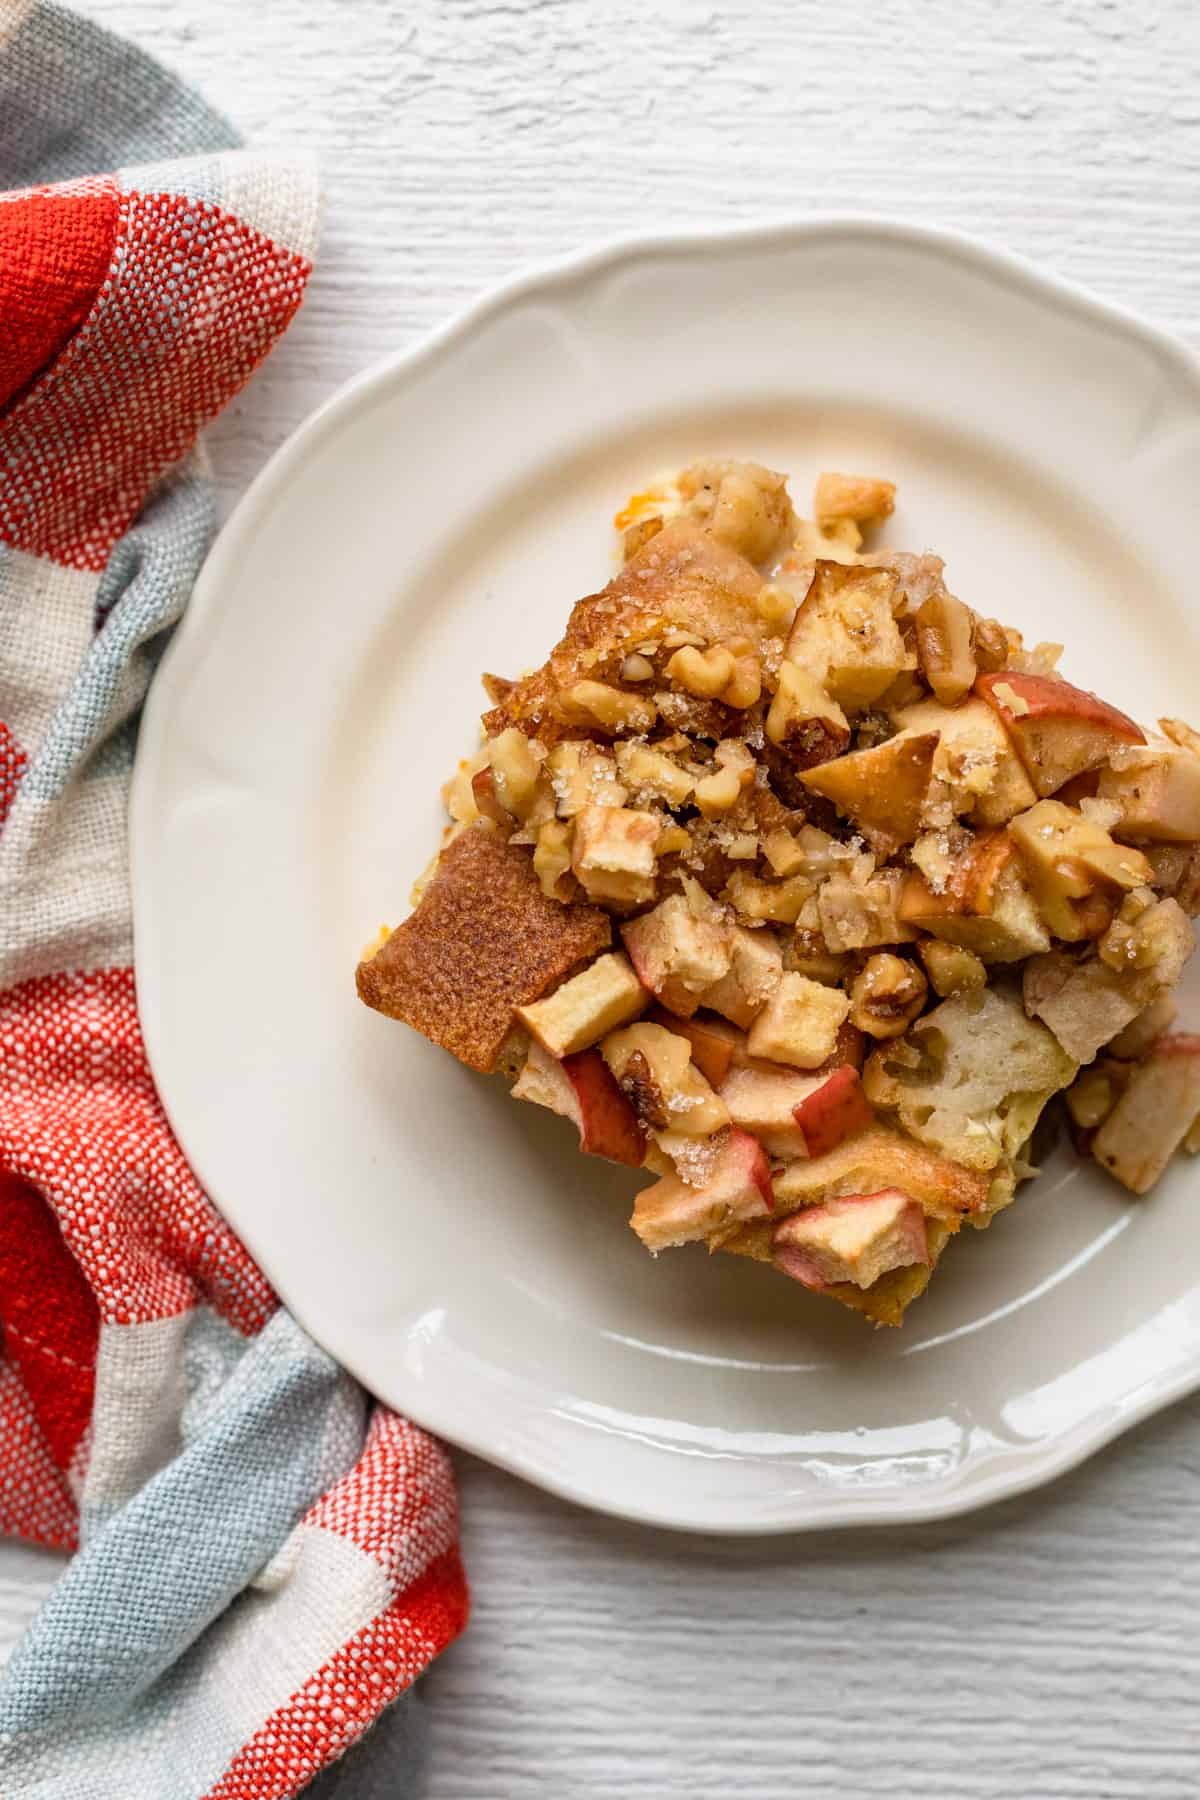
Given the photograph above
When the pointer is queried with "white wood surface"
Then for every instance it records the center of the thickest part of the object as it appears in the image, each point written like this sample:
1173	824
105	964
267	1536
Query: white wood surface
1045	1649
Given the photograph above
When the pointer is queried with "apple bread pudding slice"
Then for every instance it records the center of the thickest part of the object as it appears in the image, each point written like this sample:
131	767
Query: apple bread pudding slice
795	882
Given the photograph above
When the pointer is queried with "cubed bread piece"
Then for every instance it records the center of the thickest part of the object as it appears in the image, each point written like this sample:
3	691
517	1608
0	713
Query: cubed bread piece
1157	790
970	1078
613	857
881	1157
679	953
483	941
846	636
587	1007
799	1023
756	963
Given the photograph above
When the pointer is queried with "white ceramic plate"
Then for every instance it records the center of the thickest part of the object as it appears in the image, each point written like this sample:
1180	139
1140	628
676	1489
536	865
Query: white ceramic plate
437	518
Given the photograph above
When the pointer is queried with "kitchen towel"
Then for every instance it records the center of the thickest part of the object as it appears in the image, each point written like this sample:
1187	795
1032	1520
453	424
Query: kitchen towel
263	1559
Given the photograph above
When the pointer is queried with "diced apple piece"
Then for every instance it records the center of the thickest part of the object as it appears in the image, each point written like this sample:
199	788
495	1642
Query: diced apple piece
856	1238
654	1070
1059	731
799	1024
1153	1116
833	1111
608	1124
588	1006
614	854
845	633
714	1044
883	790
975	759
763	1100
756	963
804	720
582	1089
1158	792
673	1212
984	907
1074	868
678	953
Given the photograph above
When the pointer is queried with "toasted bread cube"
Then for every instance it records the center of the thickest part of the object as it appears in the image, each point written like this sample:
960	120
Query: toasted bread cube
483	939
614	854
863	498
856	1238
883	1157
583	1010
846	635
756	963
678	954
1158	792
799	1023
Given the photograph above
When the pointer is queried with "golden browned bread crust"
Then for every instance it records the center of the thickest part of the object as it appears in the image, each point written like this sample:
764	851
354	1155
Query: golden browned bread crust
483	940
683	577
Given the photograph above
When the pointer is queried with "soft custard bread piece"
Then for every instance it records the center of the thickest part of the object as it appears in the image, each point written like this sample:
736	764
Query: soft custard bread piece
970	1078
484	940
684	577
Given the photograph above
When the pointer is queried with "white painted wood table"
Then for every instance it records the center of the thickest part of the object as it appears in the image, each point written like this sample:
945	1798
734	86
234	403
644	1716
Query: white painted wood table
1045	1649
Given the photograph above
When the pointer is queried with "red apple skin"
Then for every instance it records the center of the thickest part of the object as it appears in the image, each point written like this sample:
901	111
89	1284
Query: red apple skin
713	1042
678	1000
608	1125
793	1261
758	1168
1064	731
483	787
835	1111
